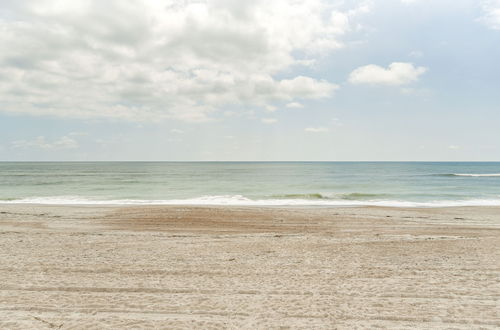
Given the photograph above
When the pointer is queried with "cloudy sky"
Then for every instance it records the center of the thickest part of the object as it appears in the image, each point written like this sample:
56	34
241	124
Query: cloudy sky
249	80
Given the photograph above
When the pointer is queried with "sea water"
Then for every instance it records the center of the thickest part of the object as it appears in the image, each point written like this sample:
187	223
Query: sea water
403	184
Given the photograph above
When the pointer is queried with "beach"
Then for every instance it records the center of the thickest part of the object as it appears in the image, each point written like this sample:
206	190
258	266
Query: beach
234	267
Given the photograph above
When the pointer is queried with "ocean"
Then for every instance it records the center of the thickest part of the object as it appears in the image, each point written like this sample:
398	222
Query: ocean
398	184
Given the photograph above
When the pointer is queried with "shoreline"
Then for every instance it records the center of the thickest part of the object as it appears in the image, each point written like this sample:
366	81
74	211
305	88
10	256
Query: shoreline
250	206
249	267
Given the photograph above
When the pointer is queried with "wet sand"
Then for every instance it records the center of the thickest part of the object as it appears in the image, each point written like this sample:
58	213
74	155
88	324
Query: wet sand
81	267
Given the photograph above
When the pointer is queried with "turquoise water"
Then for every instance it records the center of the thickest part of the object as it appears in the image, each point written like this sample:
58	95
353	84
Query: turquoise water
252	183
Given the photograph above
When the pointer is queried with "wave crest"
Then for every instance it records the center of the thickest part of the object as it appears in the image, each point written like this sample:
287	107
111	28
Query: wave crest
478	175
305	196
471	174
238	200
346	196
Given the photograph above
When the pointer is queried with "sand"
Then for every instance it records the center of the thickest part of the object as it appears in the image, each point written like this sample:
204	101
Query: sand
87	267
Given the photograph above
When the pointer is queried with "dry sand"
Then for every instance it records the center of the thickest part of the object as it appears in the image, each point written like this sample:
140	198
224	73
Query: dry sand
253	268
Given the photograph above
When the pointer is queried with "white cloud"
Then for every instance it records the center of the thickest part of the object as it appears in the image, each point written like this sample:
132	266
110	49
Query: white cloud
397	73
294	105
416	54
316	129
271	108
454	147
336	122
269	120
148	60
491	14
41	142
176	131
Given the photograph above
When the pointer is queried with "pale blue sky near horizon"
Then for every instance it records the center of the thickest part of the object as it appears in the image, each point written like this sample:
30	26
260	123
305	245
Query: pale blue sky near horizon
219	80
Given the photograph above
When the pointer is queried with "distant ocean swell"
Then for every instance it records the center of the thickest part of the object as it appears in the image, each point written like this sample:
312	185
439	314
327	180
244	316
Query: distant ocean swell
238	200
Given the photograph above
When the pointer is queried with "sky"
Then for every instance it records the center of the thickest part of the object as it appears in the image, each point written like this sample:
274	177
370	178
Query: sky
313	80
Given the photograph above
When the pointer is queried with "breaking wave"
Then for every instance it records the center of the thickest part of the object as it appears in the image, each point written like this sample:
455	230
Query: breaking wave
472	174
239	200
347	196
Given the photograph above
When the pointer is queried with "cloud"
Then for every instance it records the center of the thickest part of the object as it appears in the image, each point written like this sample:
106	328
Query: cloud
454	147
294	105
491	14
269	120
147	60
336	122
41	142
271	108
397	73
316	129
416	53
176	131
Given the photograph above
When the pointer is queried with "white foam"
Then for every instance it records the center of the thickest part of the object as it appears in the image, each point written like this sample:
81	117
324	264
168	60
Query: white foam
238	200
477	175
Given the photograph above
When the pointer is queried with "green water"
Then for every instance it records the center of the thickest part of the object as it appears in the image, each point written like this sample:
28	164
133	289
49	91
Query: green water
252	183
